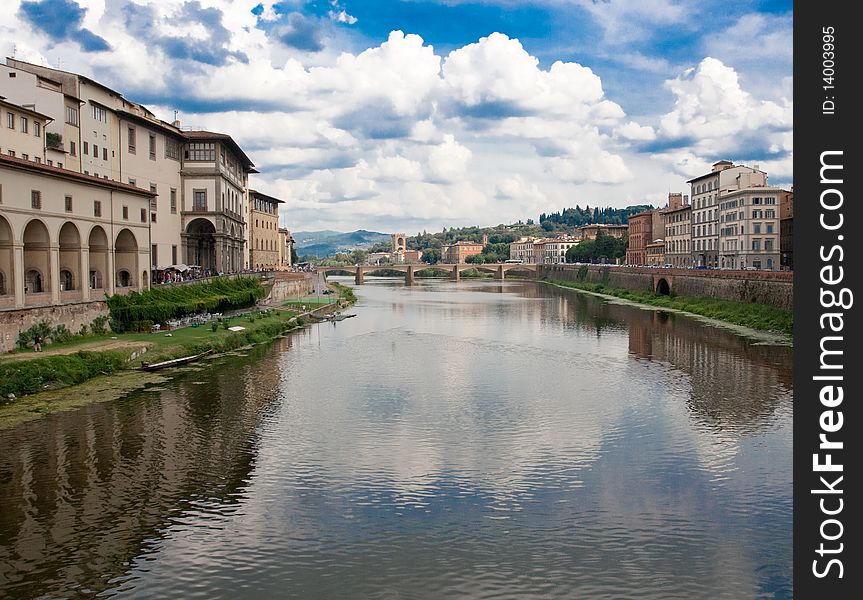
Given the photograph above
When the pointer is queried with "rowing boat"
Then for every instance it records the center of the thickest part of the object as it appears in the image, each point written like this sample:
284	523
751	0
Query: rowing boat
176	362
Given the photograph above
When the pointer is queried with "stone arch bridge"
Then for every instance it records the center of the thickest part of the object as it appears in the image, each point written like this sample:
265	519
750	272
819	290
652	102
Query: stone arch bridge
498	269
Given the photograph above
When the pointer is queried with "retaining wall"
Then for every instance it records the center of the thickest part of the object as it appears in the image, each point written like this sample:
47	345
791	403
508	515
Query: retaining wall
288	285
72	315
764	287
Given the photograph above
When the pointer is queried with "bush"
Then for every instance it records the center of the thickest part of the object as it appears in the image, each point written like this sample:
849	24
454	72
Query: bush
160	304
30	376
61	334
43	329
214	326
97	326
84	330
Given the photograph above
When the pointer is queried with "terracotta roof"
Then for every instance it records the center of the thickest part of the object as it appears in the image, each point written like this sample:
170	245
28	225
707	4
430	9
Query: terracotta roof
29	165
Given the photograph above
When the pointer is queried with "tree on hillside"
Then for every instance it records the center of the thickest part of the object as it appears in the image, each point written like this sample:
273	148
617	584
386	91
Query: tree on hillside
431	256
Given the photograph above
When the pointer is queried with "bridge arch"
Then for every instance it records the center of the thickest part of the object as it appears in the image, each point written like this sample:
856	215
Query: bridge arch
663	288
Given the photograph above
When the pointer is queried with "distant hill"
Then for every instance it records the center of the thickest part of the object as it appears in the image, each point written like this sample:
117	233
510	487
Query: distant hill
328	243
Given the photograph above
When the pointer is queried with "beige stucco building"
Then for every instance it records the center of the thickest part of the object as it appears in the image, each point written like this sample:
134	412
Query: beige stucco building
23	132
286	244
264	246
199	179
706	192
678	235
589	232
749	228
522	250
68	237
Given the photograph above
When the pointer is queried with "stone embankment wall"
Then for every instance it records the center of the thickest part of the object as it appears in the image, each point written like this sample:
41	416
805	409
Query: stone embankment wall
764	287
288	285
72	315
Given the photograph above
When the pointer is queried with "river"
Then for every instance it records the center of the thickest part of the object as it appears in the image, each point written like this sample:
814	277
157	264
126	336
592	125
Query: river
479	439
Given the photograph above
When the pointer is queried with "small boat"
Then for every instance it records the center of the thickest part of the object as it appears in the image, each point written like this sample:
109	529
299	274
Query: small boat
184	360
342	317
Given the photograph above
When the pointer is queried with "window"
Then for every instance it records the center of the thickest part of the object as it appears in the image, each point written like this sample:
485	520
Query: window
24	125
132	140
97	208
174	204
126	212
104	154
95	151
59	165
11	153
68	203
38	160
756	228
152	217
99	113
770	228
200	151
10	120
86	148
35	199
152	147
25	156
756	245
72	115
153	201
768	245
172	149
71	148
154	256
173	255
770	213
200	200
132	181
143	215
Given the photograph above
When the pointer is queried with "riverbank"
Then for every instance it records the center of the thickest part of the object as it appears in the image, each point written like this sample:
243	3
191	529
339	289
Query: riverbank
770	320
79	372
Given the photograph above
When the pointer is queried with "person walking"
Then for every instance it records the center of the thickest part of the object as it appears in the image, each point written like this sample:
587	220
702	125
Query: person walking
37	343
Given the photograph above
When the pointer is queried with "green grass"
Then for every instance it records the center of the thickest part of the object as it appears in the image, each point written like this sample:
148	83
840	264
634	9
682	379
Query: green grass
30	376
763	317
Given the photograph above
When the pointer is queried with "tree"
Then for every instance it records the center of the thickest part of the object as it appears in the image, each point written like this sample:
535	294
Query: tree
358	256
431	256
294	258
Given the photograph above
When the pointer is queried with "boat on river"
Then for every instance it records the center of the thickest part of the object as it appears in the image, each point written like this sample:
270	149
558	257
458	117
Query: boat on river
340	317
176	362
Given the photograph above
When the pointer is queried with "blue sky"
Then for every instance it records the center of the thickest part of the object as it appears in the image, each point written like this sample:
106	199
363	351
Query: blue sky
418	114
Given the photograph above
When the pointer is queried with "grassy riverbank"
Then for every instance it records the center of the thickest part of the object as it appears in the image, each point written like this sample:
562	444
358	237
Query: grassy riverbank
65	365
763	317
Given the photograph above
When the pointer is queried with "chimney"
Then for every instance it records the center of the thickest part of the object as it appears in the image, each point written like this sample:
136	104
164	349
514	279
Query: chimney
176	123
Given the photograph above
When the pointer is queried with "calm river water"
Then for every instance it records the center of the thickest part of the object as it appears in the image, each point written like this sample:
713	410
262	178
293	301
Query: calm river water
472	440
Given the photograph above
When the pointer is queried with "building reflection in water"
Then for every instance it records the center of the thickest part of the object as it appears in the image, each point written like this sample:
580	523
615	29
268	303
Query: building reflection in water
85	492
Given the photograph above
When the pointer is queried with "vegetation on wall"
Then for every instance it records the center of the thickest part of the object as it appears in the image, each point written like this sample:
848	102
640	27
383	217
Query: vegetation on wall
160	304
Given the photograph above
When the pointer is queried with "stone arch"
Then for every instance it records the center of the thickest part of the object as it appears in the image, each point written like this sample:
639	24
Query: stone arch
37	249
98	243
126	258
201	243
662	287
70	257
6	258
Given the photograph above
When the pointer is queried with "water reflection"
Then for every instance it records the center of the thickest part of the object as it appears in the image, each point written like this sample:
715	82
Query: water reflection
480	439
85	492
